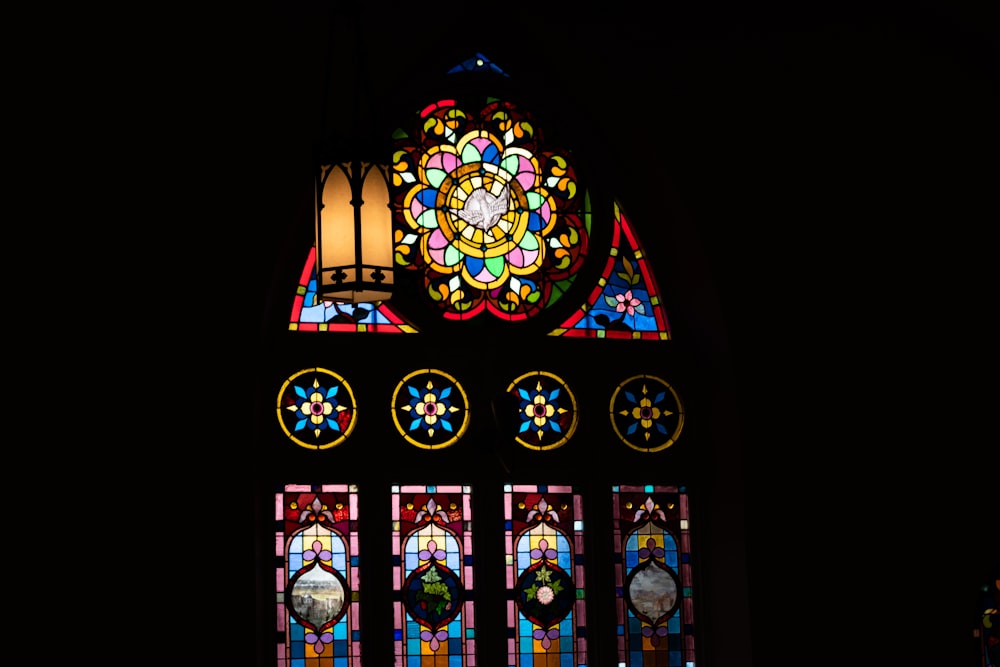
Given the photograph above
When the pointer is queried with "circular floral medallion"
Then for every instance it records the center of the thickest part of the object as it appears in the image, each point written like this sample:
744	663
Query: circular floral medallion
545	595
430	409
646	413
490	216
546	410
316	408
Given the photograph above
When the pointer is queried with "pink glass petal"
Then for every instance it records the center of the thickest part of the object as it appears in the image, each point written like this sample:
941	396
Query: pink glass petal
437	240
416	208
481	144
521	258
485	276
525	173
444	161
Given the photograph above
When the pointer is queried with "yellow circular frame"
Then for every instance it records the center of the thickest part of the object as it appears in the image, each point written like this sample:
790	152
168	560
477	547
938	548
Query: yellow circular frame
402	429
680	413
343	435
576	411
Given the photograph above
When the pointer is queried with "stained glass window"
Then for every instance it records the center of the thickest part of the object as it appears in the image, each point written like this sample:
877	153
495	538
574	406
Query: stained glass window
318	583
491	216
546	616
316	408
547	414
430	409
433	576
309	313
653	582
626	302
491	222
646	413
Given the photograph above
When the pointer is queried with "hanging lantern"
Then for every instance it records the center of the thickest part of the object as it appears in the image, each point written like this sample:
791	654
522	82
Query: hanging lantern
354	260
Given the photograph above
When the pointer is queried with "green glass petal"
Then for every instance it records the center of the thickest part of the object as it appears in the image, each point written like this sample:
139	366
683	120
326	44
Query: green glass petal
428	219
471	154
528	242
495	265
535	200
435	177
510	164
452	256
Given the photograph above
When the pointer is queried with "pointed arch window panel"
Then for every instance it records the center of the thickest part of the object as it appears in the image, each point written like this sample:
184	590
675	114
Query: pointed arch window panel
626	301
546	618
653	582
432	578
310	313
316	543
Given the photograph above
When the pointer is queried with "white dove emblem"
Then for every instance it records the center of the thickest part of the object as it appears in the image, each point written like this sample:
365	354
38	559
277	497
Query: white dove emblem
482	209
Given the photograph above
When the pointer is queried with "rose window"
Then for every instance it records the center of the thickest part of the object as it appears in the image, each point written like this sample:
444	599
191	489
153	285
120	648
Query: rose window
493	220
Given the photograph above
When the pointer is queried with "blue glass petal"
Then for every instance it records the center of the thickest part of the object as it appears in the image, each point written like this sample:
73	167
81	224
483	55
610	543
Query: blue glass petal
629	397
554	394
554	424
332	391
415	424
299	391
300	424
525	425
332	423
445	392
491	155
661	428
631	428
413	391
474	265
523	393
427	197
446	425
659	397
535	222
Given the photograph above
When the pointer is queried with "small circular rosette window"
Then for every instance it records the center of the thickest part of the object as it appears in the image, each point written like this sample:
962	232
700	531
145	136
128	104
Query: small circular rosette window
316	408
547	410
430	409
646	413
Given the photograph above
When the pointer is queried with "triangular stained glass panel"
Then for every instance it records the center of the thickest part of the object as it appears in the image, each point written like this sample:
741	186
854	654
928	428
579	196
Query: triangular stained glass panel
626	302
312	314
477	63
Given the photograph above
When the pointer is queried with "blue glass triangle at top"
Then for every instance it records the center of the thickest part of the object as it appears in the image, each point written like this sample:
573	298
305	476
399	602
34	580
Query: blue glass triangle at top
477	63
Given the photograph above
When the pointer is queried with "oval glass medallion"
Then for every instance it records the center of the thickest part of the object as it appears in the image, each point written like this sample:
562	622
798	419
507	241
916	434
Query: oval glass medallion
652	591
316	597
433	595
546	594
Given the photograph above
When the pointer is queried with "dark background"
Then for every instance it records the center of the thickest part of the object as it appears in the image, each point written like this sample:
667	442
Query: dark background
838	166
